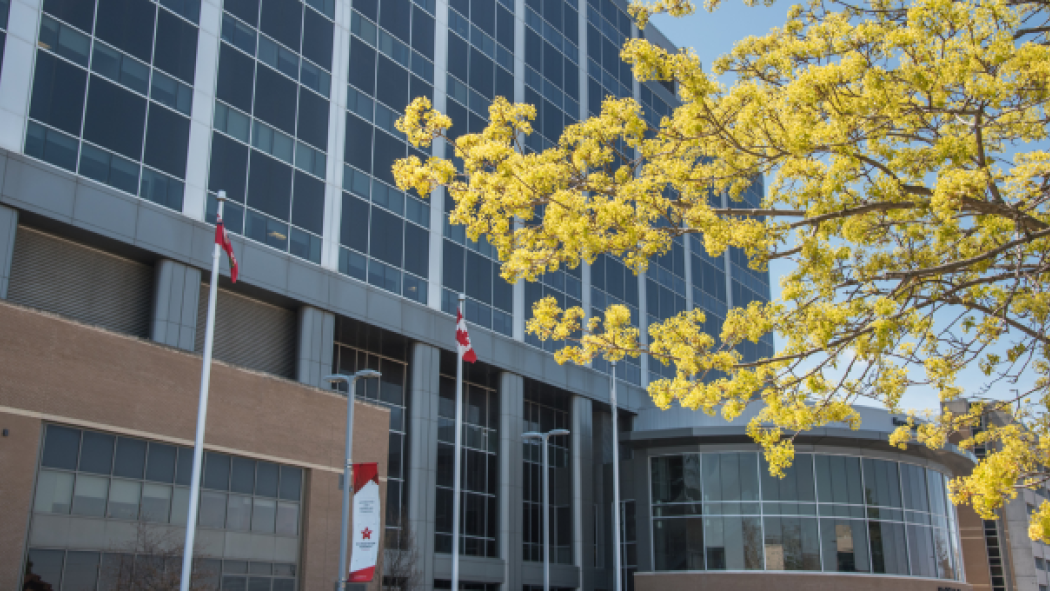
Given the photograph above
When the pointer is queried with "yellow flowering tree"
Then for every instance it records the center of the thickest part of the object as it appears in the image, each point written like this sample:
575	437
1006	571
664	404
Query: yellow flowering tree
907	194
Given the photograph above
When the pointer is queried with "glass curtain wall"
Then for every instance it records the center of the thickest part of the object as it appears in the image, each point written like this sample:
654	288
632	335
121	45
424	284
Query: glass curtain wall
613	283
359	346
384	235
480	68
479	482
95	475
5	11
546	408
608	28
112	92
750	285
829	513
270	140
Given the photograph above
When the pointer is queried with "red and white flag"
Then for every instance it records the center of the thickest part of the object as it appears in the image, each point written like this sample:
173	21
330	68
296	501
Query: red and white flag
222	238
365	551
463	339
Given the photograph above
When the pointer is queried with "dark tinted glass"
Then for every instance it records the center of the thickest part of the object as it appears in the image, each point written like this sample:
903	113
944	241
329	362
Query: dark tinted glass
160	463
392	83
50	146
184	469
131	458
216	471
313	119
96	453
417	88
246	10
452	266
479	277
308	205
417	250
362	65
387	150
79	13
458	57
317	39
58	93
483	14
503	295
127	25
369	8
228	168
913	482
61	447
504	83
881	483
275	99
505	27
354	229
45	564
167	140
191	9
266	479
358	148
889	550
269	186
291	483
242	479
283	20
422	32
176	50
481	73
236	78
394	17
115	118
386	234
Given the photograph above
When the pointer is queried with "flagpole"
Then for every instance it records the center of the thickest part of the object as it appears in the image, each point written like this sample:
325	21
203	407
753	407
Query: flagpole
456	463
202	413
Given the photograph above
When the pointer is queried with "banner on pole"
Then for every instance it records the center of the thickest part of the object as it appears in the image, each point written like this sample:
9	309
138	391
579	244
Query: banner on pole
366	526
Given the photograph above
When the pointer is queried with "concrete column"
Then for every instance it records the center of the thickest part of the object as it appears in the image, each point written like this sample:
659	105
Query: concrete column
601	471
511	536
23	23
313	359
421	477
440	150
176	291
195	198
582	487
8	229
334	170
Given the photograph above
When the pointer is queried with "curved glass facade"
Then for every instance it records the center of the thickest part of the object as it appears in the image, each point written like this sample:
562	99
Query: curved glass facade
830	513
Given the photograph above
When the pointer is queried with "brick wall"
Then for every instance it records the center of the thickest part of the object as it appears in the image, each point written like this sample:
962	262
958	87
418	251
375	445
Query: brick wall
61	371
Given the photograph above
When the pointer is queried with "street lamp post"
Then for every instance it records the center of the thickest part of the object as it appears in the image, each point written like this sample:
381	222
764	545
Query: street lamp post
543	437
351	381
616	478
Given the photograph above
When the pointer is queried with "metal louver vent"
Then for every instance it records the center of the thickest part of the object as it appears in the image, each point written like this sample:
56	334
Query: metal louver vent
79	282
249	333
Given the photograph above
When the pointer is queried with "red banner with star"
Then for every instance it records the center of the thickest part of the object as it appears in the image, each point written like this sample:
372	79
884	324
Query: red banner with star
366	525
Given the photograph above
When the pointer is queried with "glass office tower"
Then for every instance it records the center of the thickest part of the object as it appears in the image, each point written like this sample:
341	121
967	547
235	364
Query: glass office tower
123	119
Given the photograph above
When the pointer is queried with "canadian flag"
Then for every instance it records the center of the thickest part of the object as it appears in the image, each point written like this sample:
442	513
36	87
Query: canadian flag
222	238
463	339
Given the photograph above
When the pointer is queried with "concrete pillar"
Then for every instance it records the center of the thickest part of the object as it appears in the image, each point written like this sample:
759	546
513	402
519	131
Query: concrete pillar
582	487
421	477
8	229
313	358
176	291
511	536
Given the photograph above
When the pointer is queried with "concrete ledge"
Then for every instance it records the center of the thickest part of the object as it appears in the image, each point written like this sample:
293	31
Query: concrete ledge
789	581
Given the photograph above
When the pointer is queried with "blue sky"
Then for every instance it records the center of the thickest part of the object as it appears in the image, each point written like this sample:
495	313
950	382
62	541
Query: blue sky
711	35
